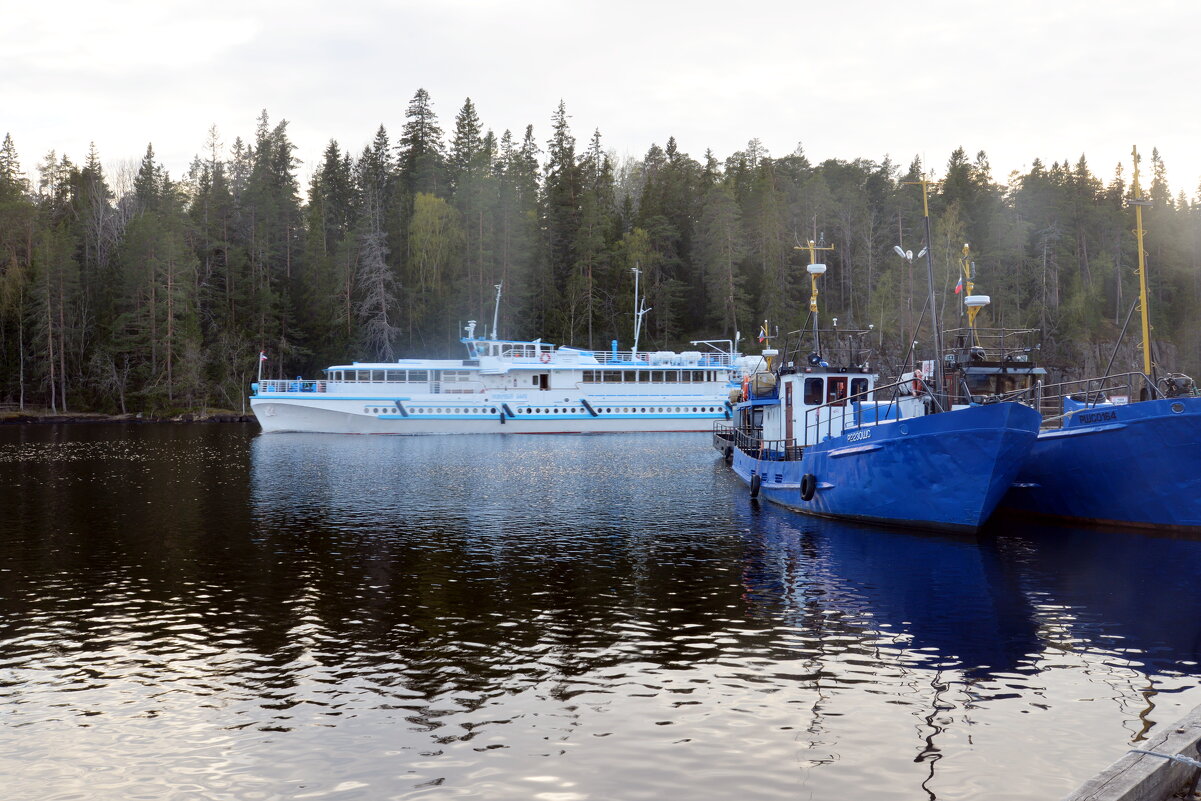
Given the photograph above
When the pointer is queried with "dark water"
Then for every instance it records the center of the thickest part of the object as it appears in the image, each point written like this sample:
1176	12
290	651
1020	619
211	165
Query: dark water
198	612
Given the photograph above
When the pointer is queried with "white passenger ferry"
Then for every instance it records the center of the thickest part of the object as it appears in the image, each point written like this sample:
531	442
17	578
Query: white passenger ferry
510	386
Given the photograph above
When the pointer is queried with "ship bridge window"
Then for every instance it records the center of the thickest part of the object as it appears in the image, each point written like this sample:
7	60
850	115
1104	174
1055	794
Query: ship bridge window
859	385
813	391
836	391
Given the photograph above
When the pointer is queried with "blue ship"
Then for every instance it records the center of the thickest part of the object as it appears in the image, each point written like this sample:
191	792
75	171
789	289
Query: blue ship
1136	465
1102	456
1118	450
830	441
880	461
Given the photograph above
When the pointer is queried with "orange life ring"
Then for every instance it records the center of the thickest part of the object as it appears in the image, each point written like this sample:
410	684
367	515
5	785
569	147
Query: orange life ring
917	381
545	357
746	387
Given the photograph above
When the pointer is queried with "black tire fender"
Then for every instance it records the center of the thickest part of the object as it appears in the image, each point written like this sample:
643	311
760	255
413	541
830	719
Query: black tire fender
808	486
755	482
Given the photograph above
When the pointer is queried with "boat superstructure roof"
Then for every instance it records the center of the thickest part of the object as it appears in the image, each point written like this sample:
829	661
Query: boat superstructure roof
544	355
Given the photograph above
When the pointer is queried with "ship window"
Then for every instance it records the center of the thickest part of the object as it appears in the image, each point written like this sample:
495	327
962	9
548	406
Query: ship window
671	376
836	391
418	375
813	391
452	376
364	376
611	376
859	385
396	375
377	376
534	380
588	379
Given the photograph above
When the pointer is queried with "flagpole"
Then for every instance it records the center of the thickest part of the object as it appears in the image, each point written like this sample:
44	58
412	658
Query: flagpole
262	358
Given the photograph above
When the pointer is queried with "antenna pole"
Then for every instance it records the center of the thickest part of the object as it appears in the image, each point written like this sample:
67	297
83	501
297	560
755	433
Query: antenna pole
496	309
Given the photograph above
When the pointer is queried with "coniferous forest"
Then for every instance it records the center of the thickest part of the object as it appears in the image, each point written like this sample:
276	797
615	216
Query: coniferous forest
140	291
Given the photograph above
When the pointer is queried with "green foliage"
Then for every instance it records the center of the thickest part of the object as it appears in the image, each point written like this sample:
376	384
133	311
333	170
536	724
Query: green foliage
160	296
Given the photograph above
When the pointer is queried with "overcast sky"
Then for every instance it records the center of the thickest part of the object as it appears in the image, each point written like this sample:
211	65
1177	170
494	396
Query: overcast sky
1019	80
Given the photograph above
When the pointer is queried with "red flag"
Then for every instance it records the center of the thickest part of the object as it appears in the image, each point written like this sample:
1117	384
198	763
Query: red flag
959	286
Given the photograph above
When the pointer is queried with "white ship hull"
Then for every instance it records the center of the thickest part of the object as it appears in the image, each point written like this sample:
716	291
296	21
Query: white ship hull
507	387
484	415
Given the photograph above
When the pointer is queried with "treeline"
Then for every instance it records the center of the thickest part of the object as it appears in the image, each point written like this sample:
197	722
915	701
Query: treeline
139	291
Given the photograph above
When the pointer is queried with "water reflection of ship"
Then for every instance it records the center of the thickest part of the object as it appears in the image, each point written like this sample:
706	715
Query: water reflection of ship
938	610
1127	594
945	598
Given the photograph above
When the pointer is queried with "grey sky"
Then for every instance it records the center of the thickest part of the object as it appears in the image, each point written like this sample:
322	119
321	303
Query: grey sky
1020	80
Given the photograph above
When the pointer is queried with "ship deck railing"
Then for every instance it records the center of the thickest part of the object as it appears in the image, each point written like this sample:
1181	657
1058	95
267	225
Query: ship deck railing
643	358
821	422
993	345
1057	401
291	385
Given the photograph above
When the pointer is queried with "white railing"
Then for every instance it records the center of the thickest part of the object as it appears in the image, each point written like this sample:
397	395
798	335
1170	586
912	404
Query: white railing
665	358
290	385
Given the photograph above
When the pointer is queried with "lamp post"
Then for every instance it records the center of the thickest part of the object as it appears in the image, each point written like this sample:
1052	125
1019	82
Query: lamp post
907	256
938	352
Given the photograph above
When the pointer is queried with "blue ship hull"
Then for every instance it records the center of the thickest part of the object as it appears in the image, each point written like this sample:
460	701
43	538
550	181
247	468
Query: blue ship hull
946	471
1134	465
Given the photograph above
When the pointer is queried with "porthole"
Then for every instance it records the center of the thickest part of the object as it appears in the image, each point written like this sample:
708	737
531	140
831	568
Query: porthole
1177	407
492	410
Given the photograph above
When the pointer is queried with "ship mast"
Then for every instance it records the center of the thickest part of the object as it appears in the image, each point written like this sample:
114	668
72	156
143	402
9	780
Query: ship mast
639	311
971	301
814	269
1138	203
496	309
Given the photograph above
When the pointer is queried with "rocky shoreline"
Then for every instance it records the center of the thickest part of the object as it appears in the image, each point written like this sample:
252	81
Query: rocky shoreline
26	418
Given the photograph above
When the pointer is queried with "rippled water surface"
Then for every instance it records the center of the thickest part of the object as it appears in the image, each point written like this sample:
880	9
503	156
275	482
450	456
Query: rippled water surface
201	612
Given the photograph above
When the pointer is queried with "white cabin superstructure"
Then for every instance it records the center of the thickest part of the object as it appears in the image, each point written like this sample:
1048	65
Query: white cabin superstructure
510	386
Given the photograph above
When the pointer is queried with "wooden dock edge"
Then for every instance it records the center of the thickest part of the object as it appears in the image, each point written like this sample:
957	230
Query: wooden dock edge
1142	777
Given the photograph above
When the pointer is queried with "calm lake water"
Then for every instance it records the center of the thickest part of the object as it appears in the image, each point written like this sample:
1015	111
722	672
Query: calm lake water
202	612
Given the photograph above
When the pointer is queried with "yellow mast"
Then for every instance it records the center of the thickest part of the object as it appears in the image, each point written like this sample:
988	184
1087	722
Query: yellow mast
813	247
1138	204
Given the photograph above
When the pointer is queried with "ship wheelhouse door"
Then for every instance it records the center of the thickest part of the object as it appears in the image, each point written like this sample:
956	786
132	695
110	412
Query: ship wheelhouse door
788	411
